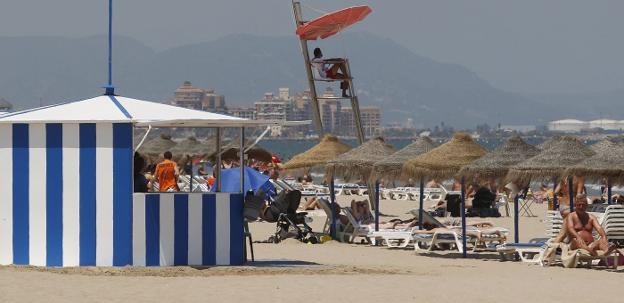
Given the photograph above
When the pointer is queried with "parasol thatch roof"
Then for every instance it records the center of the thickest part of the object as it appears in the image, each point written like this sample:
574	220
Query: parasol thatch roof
158	145
445	160
608	162
607	144
546	144
328	149
389	168
551	162
359	161
496	164
230	151
189	146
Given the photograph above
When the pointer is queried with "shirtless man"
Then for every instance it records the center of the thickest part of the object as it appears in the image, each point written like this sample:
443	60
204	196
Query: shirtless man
580	225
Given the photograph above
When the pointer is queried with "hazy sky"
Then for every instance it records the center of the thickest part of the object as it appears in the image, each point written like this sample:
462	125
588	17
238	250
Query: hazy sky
522	45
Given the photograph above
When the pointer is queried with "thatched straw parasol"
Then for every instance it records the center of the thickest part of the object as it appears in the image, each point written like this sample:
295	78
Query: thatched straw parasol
158	145
389	168
607	144
231	151
445	160
359	161
189	146
328	149
496	164
546	144
608	162
551	162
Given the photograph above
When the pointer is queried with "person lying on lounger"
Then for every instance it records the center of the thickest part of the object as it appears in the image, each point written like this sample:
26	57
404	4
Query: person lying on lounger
580	225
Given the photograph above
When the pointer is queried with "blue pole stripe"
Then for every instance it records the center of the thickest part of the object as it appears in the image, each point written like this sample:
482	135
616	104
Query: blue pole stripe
120	107
152	229
237	233
88	183
21	167
209	236
180	229
54	194
122	194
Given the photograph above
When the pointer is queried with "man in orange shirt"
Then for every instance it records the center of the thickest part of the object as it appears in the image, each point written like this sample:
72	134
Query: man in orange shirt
167	174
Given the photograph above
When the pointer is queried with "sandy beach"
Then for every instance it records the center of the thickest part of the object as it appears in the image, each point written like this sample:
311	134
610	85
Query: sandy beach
293	271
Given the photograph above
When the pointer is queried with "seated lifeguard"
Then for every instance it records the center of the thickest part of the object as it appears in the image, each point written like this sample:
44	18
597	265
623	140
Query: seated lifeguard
336	71
580	226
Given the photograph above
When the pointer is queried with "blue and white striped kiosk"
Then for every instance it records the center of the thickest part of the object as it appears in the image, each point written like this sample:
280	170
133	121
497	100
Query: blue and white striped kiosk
66	198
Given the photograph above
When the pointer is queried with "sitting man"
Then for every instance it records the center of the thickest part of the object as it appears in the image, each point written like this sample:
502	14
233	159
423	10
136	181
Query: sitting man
336	71
580	226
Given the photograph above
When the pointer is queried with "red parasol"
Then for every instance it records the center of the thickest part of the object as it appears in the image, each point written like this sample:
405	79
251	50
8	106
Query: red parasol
332	23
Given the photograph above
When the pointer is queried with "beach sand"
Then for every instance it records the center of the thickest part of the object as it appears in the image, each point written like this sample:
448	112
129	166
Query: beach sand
330	272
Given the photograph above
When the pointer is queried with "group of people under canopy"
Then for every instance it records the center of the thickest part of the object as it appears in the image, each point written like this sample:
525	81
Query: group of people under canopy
164	176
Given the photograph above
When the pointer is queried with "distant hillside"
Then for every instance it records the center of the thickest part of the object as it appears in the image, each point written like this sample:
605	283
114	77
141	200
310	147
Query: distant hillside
588	106
45	70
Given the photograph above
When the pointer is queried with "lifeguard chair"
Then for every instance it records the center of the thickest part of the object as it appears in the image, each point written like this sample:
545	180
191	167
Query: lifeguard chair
324	27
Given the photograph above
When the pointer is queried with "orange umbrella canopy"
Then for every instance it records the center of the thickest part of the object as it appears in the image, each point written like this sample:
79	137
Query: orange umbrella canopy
332	23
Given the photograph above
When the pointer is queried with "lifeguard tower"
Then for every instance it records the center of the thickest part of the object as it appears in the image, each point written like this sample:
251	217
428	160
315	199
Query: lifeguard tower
325	27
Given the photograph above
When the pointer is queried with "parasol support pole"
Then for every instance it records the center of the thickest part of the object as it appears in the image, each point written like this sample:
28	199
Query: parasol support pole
242	160
332	197
555	200
516	218
421	203
316	112
571	192
217	165
376	205
609	199
463	216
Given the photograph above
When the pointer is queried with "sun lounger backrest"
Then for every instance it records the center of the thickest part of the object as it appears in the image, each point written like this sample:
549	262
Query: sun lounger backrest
613	222
554	223
326	207
427	218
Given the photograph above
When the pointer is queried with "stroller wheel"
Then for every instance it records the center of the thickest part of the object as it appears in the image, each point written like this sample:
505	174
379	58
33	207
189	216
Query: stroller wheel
313	240
274	239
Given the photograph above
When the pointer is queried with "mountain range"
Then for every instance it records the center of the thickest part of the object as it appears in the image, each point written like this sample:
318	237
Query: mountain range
44	70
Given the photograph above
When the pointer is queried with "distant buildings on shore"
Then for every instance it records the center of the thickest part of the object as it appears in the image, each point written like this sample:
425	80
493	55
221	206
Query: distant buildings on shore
577	126
196	98
336	119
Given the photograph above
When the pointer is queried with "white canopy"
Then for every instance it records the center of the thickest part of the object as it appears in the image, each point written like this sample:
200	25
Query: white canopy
117	109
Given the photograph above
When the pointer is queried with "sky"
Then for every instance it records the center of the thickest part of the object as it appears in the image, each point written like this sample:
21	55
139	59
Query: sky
526	46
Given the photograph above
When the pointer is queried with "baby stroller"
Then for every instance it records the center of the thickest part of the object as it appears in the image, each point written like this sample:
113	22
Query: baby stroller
283	211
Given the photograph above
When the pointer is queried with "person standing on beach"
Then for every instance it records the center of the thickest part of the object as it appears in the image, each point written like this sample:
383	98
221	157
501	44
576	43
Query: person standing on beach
167	174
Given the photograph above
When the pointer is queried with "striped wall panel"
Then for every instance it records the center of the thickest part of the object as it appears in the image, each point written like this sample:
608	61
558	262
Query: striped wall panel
68	202
188	229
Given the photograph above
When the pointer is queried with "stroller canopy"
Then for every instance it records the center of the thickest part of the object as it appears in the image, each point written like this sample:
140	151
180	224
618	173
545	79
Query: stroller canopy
254	180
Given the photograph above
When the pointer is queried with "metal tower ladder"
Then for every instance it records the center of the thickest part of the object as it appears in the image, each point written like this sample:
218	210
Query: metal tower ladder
312	81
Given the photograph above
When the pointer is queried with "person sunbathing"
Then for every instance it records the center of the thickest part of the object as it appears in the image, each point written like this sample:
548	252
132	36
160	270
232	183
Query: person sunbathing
580	226
361	212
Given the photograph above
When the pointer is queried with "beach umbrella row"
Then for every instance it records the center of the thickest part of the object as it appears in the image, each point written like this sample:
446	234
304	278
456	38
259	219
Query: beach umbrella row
514	161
